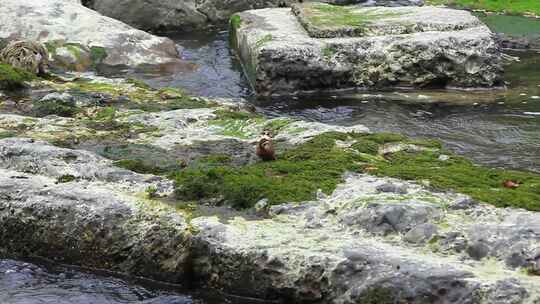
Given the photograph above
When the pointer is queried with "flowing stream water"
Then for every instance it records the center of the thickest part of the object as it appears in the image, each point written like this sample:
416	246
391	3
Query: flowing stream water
495	128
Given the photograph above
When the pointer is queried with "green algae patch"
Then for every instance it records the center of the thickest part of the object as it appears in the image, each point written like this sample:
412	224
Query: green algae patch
7	134
298	173
55	107
522	7
238	124
461	175
67	178
97	54
323	20
140	166
265	39
294	177
12	78
135	94
234	24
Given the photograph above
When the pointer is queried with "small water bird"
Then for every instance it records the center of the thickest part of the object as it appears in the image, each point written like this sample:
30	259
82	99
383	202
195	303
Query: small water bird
265	147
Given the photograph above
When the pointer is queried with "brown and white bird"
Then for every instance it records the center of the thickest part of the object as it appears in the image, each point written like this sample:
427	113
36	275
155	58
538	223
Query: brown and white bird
265	147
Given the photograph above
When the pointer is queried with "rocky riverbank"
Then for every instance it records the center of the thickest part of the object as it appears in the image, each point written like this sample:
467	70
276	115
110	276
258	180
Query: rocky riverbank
113	174
124	183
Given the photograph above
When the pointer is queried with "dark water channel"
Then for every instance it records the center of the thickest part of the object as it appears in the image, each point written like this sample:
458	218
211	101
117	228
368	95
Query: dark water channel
496	128
28	283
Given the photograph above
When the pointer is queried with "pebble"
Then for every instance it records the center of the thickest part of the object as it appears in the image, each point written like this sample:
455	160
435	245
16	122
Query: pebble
535	97
522	94
364	101
444	157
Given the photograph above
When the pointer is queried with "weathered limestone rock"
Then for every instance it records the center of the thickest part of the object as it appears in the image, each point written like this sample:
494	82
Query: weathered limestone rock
315	253
190	14
40	158
94	218
282	52
105	40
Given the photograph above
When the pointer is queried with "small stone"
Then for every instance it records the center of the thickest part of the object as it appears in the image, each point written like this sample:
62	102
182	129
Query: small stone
392	188
321	195
444	157
478	250
56	96
261	205
535	97
466	203
421	233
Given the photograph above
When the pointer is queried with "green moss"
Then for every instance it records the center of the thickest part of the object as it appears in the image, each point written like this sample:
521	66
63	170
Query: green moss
215	159
236	21
151	191
75	50
140	95
377	295
265	39
294	177
51	47
328	52
67	178
55	107
276	125
138	83
319	164
7	134
235	115
334	16
461	175
139	166
505	6
13	78
238	124
97	54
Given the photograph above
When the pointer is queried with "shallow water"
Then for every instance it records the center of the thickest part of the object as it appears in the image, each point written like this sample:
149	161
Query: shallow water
500	128
27	283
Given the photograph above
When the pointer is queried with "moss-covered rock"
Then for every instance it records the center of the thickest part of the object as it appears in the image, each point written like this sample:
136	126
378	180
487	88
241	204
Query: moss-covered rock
12	78
320	163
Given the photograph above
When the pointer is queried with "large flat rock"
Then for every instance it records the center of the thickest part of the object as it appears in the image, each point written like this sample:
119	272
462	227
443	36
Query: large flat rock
59	20
329	21
396	47
374	240
191	14
94	219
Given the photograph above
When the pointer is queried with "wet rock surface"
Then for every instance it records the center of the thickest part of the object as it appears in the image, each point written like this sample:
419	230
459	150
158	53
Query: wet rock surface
340	261
105	40
280	58
190	15
75	207
372	239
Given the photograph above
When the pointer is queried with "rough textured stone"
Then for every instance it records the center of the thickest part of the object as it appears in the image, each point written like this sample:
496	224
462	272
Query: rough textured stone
40	158
56	20
306	254
92	225
190	14
280	58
